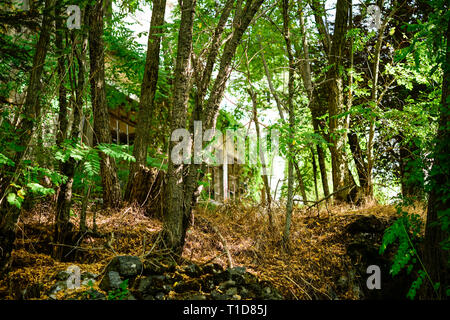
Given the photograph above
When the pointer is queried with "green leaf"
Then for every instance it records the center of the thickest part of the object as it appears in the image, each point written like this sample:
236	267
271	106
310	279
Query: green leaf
14	200
39	189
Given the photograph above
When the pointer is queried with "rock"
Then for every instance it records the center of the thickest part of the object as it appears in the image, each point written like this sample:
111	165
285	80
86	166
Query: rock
88	282
363	250
158	267
267	291
111	281
227	284
159	296
88	275
208	282
236	271
244	293
236	274
216	295
60	285
188	285
192	270
151	285
231	291
126	266
213	268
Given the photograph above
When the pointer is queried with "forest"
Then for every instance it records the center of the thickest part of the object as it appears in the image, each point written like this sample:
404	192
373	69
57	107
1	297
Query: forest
224	150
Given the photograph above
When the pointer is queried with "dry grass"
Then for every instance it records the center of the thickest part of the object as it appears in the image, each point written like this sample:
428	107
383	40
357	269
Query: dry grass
315	259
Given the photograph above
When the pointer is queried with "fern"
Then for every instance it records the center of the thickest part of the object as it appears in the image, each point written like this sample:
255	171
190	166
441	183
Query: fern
405	231
5	160
115	151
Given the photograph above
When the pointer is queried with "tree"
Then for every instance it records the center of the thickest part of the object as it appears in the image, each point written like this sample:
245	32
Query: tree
317	111
146	102
102	134
175	218
32	109
437	240
181	193
291	120
63	227
342	178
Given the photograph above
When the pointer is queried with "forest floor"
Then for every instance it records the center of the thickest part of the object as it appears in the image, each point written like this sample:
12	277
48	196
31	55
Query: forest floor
316	259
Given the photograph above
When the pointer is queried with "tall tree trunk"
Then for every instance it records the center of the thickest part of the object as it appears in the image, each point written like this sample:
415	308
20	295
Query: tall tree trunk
63	227
148	91
436	257
175	218
290	105
102	133
62	221
176	222
268	195
9	215
314	105
340	172
196	171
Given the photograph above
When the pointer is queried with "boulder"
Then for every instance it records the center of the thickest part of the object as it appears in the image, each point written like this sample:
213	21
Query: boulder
111	281
58	286
126	266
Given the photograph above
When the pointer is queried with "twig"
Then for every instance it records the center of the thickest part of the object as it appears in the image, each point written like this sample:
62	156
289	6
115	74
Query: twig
77	247
331	194
222	239
301	278
297	285
212	259
153	247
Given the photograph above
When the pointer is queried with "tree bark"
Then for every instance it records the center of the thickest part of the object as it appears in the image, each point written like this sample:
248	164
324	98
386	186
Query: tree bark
148	91
62	221
290	106
436	257
358	157
175	218
268	195
63	226
340	172
102	134
179	212
9	215
316	109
